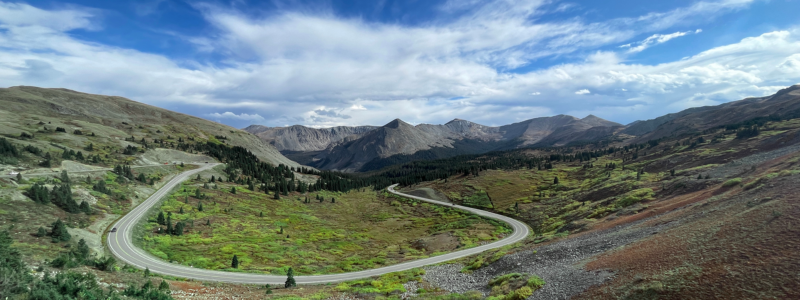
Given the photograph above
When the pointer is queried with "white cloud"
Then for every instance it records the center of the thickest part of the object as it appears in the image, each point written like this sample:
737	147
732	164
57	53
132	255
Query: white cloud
582	92
655	40
294	68
23	15
230	115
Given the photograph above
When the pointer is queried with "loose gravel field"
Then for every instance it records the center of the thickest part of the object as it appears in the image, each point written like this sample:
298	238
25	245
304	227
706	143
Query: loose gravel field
560	263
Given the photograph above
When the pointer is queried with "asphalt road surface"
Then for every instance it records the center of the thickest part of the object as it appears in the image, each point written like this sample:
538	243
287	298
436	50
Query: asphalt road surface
122	247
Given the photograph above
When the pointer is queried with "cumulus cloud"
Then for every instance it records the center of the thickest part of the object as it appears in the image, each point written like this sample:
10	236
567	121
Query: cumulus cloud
582	92
310	69
233	116
330	113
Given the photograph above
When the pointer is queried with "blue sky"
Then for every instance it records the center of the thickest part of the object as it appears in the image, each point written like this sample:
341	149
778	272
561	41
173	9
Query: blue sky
329	63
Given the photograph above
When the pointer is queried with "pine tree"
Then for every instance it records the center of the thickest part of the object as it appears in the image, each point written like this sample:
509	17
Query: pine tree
235	262
164	286
699	176
555	180
42	232
262	214
19	177
84	207
277	196
179	228
160	219
200	206
290	279
146	272
333	200
181	209
64	176
83	250
281	232
208	222
58	232
169	223
233	190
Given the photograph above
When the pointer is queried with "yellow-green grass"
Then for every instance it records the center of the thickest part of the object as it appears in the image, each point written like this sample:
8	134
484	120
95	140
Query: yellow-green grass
361	230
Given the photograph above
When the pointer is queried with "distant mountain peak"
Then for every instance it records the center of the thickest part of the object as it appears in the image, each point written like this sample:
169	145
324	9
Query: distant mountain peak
456	120
396	123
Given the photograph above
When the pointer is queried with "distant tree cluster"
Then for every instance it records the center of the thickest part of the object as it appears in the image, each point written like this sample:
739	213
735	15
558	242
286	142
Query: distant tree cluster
749	132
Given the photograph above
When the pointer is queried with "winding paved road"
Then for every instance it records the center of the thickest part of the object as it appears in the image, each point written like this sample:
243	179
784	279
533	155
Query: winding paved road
122	247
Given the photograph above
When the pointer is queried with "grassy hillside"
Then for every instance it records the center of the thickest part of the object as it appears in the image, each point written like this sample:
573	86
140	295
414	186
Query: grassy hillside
360	230
38	111
722	202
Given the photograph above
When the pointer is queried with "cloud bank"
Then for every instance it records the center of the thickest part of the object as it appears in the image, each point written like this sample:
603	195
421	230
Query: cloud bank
318	69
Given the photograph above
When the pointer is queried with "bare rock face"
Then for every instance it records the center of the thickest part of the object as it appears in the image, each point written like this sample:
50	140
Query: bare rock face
301	138
400	138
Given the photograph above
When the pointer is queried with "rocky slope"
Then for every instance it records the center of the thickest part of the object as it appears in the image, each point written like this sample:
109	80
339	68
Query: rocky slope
456	137
301	138
117	117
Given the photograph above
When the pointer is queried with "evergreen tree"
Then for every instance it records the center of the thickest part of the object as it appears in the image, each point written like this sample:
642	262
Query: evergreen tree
200	206
277	196
235	262
164	286
179	228
83	251
169	223
42	232
64	176
146	272
160	219
262	214
555	180
85	208
699	176
181	209
290	282
233	190
333	200
58	232
208	222
19	177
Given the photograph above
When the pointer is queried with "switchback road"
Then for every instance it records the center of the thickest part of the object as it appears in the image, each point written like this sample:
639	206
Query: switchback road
121	245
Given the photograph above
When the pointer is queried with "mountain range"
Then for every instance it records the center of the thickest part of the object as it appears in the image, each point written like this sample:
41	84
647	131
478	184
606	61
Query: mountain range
365	148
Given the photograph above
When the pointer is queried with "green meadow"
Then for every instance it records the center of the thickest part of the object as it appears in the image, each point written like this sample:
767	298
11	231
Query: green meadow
360	230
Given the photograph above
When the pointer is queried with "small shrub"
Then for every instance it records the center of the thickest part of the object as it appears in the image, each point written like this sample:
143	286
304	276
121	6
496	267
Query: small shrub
732	182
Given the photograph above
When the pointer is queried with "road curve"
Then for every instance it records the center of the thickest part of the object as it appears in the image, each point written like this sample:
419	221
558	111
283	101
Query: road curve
121	245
